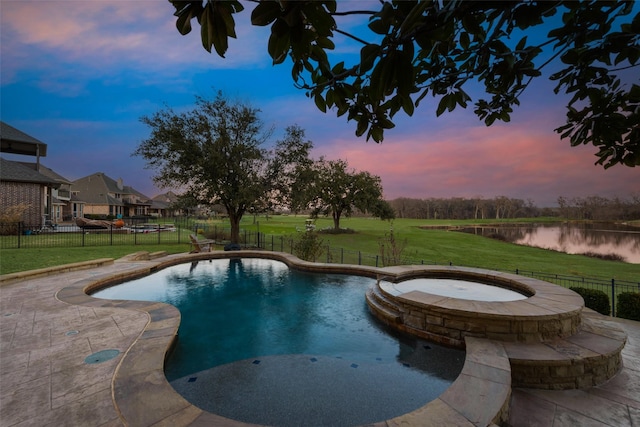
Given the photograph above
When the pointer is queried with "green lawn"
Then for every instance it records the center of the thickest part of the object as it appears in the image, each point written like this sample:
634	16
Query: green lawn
441	246
430	245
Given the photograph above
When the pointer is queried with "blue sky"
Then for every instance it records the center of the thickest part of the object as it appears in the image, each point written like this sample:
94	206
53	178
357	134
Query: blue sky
78	75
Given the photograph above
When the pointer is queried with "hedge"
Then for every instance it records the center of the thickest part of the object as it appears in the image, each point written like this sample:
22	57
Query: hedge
628	305
594	299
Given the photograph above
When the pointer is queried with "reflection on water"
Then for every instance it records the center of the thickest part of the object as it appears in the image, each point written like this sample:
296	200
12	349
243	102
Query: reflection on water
600	238
275	346
235	309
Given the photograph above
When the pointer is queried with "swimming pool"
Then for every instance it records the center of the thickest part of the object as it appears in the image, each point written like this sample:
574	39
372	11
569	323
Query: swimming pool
294	348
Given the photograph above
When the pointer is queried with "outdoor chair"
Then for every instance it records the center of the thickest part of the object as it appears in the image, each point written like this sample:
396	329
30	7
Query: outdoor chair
204	245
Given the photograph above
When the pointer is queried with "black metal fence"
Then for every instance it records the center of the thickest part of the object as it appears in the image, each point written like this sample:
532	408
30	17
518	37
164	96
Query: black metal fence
611	287
177	230
134	231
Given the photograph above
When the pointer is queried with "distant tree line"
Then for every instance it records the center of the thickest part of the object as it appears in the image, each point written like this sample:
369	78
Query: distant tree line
463	208
576	208
599	208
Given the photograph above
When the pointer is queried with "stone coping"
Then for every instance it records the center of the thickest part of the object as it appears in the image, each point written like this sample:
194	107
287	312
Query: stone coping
552	341
545	300
144	397
549	312
6	279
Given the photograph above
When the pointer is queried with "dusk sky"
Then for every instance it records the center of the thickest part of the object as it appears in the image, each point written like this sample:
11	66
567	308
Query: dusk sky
78	75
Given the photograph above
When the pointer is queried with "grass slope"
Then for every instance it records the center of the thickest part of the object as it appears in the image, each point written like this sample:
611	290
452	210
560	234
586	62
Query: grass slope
428	245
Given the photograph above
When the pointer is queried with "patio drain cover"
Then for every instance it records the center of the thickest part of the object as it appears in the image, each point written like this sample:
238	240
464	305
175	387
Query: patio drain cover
101	356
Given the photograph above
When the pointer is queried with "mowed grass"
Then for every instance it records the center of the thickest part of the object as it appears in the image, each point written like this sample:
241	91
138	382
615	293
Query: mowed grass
14	260
424	243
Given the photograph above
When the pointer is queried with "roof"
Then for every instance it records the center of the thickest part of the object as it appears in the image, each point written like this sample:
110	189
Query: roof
168	197
95	189
15	141
17	172
46	172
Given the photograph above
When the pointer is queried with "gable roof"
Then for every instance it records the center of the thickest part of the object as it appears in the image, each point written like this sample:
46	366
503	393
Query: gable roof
46	172
95	189
15	141
16	172
168	197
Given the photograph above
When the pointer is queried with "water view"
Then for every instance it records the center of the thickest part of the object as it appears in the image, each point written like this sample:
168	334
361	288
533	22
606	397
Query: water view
598	238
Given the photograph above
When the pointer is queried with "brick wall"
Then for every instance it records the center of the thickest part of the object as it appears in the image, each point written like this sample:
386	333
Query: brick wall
96	209
15	193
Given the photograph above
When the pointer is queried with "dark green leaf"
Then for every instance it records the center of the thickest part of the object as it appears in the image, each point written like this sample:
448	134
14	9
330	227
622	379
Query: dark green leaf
378	26
363	124
265	13
442	105
368	54
279	42
464	40
319	100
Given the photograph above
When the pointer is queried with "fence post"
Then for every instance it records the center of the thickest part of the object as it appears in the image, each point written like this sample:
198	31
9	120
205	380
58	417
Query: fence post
341	255
377	260
83	233
517	271
359	258
272	243
19	233
328	253
613	297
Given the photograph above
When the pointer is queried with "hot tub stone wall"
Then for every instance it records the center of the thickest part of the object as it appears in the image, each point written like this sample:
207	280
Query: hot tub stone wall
444	320
572	349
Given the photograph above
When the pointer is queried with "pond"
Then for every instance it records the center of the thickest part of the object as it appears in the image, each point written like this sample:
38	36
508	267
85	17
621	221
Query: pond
572	238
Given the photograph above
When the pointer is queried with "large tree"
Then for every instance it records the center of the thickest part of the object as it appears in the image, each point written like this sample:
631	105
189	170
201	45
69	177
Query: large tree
214	152
331	187
419	48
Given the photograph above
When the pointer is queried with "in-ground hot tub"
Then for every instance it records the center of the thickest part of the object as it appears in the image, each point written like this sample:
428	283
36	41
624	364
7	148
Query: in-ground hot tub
456	288
447	304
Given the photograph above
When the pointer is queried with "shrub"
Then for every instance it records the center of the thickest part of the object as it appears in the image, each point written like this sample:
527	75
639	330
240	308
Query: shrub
337	231
629	305
10	217
594	299
607	257
392	249
308	246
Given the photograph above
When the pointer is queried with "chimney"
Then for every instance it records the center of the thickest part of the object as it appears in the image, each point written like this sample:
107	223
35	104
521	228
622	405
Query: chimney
120	184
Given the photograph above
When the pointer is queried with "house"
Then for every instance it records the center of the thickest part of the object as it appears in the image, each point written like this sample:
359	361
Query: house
107	197
164	205
63	207
23	186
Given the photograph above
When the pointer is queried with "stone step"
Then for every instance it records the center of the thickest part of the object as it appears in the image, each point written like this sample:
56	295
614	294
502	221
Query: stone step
586	359
382	308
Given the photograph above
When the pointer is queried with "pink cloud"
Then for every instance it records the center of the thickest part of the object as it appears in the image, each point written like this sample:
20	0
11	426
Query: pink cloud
524	160
100	35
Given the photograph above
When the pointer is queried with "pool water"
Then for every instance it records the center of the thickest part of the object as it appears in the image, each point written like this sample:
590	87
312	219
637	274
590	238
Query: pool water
454	288
305	331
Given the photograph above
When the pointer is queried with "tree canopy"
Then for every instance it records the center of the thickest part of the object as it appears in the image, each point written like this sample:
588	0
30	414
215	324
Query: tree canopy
214	152
439	48
330	187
